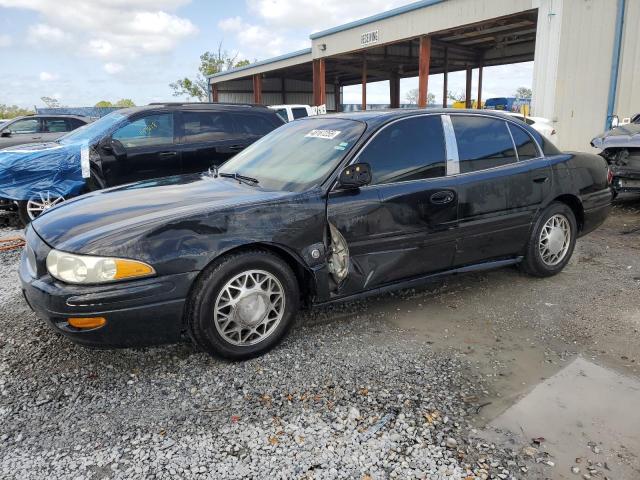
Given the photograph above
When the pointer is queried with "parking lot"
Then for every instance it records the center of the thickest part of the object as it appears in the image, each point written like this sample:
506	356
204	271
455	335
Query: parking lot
454	380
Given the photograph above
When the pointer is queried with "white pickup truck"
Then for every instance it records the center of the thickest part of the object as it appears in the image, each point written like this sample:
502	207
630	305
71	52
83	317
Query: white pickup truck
291	112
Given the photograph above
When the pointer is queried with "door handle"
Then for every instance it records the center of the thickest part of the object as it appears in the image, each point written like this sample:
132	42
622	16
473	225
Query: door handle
236	148
36	138
167	154
541	179
443	197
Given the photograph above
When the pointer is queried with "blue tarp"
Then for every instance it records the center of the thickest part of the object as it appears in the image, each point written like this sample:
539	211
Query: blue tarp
58	167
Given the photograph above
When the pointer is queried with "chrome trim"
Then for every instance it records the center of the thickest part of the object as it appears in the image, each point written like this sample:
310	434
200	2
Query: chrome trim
535	142
451	145
513	142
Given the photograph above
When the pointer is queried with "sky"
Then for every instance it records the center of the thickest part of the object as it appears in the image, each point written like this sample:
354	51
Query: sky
84	51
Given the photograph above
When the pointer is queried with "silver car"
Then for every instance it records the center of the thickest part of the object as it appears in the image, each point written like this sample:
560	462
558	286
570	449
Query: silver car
38	128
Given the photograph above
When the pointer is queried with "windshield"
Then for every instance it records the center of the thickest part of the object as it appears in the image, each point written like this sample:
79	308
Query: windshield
298	155
93	131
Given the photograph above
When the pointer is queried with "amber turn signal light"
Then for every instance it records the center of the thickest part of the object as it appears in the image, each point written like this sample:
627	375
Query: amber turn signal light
87	322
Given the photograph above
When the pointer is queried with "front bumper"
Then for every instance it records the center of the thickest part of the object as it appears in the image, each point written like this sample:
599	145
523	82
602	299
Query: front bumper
138	313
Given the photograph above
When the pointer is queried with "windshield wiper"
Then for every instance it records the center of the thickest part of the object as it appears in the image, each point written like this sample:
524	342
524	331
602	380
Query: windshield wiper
240	178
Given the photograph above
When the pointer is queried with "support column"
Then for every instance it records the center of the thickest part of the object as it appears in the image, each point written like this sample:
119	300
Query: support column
364	83
394	90
257	89
214	93
319	85
468	99
481	64
423	78
337	100
445	83
283	90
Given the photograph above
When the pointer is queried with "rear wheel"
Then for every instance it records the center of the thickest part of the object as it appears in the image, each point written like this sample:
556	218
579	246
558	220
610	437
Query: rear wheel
30	209
243	305
552	241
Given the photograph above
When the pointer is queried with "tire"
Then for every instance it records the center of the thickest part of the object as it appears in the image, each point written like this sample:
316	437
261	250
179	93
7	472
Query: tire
211	324
542	258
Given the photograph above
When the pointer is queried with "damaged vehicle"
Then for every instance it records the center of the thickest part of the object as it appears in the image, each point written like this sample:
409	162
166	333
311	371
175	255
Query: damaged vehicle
125	146
323	209
620	147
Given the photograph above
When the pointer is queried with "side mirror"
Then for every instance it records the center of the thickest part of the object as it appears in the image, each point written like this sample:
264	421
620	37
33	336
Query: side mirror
112	146
6	133
105	144
355	176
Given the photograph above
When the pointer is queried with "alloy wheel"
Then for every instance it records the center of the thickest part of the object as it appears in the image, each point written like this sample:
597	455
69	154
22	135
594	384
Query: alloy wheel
42	201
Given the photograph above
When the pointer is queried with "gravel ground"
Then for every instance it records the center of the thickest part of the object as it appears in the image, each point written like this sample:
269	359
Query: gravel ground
352	393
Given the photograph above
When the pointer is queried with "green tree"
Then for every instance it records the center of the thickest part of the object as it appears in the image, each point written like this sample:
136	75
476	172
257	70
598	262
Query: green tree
125	103
51	102
103	103
13	111
210	63
523	92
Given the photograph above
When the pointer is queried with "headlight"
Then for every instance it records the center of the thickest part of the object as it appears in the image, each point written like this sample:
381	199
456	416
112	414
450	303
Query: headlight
72	268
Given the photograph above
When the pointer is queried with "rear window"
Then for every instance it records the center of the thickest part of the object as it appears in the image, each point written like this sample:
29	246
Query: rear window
299	112
56	125
525	145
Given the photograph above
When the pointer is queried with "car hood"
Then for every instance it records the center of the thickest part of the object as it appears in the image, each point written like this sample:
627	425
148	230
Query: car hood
622	136
86	223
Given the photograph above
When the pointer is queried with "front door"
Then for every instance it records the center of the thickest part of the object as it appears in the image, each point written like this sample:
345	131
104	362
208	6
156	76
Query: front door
146	149
402	225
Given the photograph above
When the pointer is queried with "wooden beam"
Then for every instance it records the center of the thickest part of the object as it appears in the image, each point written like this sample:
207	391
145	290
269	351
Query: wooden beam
319	83
257	89
468	99
394	90
445	83
423	70
214	92
364	83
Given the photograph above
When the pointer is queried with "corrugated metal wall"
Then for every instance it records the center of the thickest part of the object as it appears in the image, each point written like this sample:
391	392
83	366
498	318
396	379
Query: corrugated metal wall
297	91
628	100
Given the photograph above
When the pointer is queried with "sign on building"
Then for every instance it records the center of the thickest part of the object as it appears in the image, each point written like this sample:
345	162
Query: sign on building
368	38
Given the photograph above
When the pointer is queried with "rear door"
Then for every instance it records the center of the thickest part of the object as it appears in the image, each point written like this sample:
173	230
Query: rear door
498	194
146	149
402	225
54	127
207	138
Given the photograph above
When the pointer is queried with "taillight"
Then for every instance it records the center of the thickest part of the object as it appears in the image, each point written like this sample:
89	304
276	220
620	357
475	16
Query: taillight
609	176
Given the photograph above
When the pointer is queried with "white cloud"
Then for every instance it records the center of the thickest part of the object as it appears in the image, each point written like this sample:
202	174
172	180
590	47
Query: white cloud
256	41
314	15
109	29
5	40
48	77
43	34
112	68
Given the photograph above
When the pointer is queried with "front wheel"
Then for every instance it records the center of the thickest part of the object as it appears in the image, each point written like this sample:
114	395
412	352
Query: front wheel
552	241
29	210
243	305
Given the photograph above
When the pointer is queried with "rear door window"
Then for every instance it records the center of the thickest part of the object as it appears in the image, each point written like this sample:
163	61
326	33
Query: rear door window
56	125
152	130
299	112
282	113
254	125
525	145
483	143
206	126
409	149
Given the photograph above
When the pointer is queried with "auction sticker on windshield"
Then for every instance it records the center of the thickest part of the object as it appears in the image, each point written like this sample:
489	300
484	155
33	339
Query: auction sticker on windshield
326	134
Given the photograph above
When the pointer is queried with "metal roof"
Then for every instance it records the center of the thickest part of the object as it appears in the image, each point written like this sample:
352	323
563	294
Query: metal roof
286	56
375	18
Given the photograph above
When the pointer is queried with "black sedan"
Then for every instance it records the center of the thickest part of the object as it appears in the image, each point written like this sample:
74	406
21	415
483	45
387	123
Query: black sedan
323	209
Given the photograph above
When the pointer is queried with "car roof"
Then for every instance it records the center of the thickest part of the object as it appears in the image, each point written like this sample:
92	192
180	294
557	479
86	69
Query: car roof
47	115
378	117
196	106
